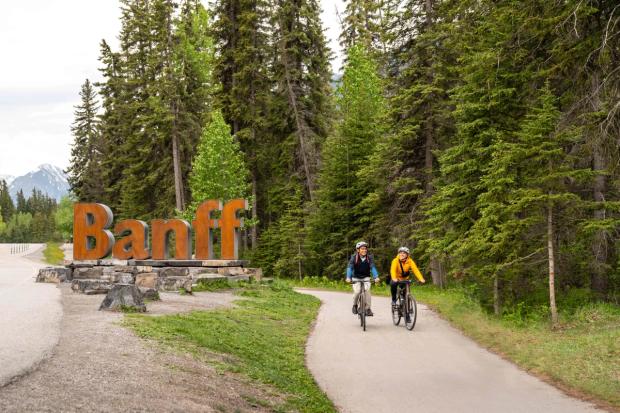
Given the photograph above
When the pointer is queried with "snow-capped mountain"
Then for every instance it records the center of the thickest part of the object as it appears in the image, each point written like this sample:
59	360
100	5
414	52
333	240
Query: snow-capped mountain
7	178
47	178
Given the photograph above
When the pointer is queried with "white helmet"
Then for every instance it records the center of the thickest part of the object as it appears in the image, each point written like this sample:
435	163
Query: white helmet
361	244
404	249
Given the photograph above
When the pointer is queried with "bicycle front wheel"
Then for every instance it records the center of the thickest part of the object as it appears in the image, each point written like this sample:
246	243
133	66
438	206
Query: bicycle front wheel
396	315
411	313
362	311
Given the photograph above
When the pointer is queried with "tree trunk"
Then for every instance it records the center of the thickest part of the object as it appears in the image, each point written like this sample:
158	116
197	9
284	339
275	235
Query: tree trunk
599	280
179	191
550	248
496	306
254	233
301	127
598	277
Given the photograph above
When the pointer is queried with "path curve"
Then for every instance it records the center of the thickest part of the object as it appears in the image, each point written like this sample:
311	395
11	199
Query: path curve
30	313
433	368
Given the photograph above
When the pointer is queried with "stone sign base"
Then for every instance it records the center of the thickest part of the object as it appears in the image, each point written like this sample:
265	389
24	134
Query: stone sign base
98	276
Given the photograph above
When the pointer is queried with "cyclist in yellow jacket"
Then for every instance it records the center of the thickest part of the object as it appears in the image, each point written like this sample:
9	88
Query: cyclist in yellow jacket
402	267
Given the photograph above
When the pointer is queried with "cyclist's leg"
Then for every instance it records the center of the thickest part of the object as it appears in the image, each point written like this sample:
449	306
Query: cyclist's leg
356	290
367	292
394	290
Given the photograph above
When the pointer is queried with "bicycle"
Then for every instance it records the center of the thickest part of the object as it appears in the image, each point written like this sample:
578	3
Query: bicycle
361	303
405	306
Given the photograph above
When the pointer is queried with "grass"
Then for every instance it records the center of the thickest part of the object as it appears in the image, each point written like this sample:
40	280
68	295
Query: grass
263	337
582	356
53	254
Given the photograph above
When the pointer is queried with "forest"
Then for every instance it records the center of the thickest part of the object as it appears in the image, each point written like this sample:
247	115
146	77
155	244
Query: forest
482	134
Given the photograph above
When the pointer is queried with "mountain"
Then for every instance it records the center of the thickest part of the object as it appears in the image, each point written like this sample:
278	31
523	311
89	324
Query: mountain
7	178
47	178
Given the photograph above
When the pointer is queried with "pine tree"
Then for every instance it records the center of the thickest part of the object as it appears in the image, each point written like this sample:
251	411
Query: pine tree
7	207
339	217
301	110
84	174
22	206
361	25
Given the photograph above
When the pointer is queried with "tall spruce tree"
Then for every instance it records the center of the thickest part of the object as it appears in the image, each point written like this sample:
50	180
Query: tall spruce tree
241	33
85	170
339	218
7	207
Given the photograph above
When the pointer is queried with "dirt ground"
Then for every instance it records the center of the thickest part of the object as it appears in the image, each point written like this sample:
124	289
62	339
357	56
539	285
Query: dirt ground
100	366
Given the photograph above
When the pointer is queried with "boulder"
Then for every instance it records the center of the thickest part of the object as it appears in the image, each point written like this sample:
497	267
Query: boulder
91	286
123	297
87	273
175	284
54	275
174	272
147	280
149	293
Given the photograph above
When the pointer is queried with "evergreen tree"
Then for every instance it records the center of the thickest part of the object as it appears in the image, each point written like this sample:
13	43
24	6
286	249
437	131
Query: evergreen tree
339	218
84	174
7	207
242	69
22	206
361	25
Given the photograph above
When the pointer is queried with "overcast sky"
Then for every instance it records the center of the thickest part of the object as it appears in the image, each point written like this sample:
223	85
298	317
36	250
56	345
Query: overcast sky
47	49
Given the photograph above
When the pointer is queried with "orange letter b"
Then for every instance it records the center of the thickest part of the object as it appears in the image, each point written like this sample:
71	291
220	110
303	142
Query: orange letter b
89	224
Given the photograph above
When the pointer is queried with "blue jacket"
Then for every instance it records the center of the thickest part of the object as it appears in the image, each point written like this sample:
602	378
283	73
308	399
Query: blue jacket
355	259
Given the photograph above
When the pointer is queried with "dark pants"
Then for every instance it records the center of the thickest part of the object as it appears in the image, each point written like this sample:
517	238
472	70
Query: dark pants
394	287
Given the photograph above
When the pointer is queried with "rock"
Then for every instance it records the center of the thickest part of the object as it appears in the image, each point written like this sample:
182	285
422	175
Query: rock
147	280
239	278
209	278
225	263
123	297
254	273
54	275
174	283
149	293
174	272
87	273
91	286
112	262
83	263
230	271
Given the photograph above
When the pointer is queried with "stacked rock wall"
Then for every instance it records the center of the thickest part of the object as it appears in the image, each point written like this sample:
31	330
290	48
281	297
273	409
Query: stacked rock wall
98	276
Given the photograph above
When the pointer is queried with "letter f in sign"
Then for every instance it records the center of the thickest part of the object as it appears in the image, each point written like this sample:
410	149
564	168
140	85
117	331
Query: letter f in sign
229	223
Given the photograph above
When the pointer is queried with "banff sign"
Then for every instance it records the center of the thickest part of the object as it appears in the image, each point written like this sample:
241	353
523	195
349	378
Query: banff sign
93	240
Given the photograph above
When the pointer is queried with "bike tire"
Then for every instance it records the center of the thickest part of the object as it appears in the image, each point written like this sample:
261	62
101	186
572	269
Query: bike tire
362	312
412	312
396	313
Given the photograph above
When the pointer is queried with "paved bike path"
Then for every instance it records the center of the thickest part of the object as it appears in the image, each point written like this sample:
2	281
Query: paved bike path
30	314
433	368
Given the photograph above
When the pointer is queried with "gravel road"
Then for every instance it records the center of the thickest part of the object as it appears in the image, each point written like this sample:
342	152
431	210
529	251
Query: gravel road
433	368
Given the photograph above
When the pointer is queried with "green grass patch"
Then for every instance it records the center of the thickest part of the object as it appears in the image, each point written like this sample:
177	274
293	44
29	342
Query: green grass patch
265	335
582	355
53	254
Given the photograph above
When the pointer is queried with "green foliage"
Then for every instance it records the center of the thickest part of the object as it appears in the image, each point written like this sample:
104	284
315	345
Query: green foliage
64	217
218	171
265	334
53	254
338	219
18	229
7	208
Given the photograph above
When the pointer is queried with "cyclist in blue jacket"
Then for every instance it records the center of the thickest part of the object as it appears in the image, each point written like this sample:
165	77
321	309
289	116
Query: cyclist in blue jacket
361	267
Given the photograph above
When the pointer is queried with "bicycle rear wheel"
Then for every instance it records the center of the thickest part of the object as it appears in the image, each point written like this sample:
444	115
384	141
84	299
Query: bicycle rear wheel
411	313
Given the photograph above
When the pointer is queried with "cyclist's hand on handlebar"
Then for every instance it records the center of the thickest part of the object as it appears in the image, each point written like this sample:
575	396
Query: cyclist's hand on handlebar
377	280
349	280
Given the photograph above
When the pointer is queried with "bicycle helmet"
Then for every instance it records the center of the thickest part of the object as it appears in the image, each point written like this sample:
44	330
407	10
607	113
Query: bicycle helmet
360	245
404	249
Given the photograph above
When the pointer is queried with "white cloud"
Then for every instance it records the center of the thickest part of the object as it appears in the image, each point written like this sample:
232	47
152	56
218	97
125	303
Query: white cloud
48	48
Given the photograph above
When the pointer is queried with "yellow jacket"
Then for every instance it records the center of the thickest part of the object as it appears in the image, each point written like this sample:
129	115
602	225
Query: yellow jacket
409	267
